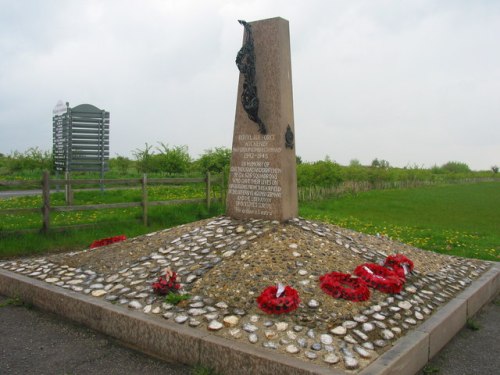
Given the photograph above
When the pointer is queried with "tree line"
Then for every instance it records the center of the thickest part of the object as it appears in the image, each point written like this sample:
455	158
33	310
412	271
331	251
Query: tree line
162	159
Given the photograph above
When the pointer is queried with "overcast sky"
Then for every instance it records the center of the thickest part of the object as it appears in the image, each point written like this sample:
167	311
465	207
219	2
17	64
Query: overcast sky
412	82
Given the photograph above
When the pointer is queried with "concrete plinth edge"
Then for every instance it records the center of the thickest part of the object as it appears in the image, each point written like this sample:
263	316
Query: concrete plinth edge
173	342
410	353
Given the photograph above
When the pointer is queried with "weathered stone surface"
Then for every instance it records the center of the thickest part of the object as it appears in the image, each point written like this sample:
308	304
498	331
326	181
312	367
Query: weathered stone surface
231	320
340	331
135	305
331	358
360	332
263	180
326	339
214	325
98	292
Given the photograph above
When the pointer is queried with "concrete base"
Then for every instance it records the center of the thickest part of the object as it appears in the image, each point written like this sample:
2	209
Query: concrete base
172	342
412	352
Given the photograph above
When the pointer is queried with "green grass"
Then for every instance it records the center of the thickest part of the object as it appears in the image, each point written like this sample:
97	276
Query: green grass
461	220
203	370
175	298
15	301
127	222
17	221
430	369
472	324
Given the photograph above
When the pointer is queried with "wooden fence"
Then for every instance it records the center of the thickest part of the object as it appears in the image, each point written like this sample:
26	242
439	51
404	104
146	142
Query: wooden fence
47	183
311	193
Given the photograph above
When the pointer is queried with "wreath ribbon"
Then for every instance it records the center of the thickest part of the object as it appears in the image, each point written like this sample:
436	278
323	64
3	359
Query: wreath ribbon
400	264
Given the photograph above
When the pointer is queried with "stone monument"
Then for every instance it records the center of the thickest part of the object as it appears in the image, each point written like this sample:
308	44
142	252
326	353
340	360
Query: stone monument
263	177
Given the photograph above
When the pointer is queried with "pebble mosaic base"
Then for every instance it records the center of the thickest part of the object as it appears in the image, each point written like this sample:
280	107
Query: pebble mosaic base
352	343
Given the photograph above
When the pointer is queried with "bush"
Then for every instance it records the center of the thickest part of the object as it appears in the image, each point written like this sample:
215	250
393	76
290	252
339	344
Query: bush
214	160
174	160
455	167
144	159
355	172
32	160
120	163
323	173
384	164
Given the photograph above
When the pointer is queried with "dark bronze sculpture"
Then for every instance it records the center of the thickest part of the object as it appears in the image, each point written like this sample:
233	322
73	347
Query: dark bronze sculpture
245	60
289	138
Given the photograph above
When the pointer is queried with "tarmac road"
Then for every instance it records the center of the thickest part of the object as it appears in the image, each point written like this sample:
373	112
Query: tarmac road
472	352
33	341
36	342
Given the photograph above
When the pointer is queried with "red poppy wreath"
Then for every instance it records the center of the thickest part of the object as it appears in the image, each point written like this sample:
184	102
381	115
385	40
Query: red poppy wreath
107	241
343	285
380	278
167	284
400	264
278	299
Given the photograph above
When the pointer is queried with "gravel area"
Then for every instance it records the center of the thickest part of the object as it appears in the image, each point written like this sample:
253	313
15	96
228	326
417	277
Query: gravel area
224	264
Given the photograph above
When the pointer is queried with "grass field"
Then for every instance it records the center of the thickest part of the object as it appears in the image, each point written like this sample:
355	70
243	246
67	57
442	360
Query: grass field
461	220
127	222
101	223
11	222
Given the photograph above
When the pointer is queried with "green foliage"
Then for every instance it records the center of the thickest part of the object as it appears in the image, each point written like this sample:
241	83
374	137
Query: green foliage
15	301
33	159
455	167
144	159
203	370
214	160
458	220
384	164
87	197
354	163
172	160
494	169
322	173
120	163
101	224
472	324
430	369
175	298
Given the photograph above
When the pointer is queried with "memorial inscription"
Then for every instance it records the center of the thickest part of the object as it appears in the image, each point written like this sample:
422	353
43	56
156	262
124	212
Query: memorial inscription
262	180
255	182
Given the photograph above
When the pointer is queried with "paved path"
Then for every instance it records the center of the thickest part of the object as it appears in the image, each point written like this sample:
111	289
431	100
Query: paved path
36	342
472	352
21	193
33	341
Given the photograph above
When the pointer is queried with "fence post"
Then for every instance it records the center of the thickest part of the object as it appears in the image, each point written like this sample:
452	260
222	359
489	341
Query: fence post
46	202
207	180
223	188
144	199
68	190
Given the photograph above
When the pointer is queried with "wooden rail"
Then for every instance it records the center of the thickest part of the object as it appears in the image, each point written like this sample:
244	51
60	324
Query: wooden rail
46	183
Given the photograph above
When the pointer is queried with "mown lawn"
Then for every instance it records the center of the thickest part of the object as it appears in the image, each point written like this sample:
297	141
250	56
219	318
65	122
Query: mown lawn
461	220
17	221
117	222
100	223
